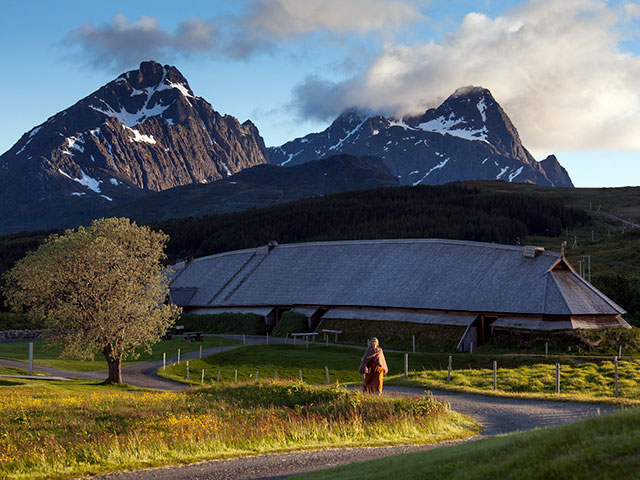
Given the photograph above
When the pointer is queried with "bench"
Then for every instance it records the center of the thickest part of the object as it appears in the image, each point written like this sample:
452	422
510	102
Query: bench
193	337
306	335
327	331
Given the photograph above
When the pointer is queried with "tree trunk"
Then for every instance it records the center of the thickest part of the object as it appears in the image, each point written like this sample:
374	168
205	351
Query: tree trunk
115	365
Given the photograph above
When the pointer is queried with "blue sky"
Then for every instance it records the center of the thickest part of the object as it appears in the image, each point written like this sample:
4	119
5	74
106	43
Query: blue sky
566	72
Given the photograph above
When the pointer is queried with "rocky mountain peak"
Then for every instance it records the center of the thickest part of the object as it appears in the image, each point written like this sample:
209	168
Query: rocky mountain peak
467	137
144	130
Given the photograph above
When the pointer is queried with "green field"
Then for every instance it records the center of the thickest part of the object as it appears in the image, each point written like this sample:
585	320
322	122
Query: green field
49	356
582	378
64	430
598	448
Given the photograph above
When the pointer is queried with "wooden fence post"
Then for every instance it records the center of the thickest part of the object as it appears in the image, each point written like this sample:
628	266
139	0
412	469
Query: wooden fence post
164	360
235	377
413	341
257	373
616	373
202	378
300	374
557	378
546	349
326	370
187	370
495	375
275	377
620	352
471	348
200	351
218	379
406	365
267	338
30	358
178	355
449	370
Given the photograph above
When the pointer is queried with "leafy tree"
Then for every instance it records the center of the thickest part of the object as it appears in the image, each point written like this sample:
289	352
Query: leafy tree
100	289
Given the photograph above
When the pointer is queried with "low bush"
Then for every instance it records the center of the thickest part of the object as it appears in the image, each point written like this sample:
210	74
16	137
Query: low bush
246	323
601	341
396	335
290	322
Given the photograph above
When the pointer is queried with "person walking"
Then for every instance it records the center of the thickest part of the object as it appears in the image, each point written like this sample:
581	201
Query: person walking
374	367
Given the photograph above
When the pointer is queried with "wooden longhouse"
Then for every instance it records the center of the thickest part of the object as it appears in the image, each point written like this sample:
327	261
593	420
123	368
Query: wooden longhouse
478	287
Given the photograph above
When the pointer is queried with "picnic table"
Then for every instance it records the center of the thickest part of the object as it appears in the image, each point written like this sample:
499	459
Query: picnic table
193	337
327	331
304	334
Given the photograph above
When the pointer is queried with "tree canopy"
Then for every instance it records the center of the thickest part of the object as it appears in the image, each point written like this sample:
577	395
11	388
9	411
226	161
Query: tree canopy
100	289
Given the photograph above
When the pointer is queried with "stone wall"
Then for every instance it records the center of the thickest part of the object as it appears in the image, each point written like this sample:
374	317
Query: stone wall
21	334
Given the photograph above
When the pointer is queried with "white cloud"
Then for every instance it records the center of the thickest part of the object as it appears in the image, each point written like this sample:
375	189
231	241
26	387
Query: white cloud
555	67
124	43
286	18
263	25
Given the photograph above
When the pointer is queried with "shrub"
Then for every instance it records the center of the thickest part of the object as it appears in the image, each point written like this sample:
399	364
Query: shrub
18	321
601	341
290	322
246	323
397	335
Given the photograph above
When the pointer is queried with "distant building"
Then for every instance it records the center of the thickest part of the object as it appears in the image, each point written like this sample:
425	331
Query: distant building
478	287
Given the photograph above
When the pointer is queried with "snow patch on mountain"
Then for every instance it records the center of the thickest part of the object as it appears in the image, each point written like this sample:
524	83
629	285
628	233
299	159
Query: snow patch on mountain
139	137
502	172
513	175
448	125
437	167
131	119
342	140
86	180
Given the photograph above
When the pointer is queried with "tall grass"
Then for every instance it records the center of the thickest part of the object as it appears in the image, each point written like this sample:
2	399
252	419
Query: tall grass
54	431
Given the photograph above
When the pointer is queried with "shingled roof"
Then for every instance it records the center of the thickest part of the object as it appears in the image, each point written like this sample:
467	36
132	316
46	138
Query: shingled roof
432	274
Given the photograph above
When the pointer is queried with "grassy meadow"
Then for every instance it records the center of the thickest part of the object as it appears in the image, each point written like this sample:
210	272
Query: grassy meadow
49	356
581	378
64	430
598	448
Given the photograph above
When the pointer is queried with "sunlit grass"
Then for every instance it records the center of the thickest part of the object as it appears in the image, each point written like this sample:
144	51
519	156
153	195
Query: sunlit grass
65	430
598	448
48	356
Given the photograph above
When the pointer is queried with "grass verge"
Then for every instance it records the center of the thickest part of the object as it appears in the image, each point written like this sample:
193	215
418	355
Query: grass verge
49	356
588	379
598	448
58	431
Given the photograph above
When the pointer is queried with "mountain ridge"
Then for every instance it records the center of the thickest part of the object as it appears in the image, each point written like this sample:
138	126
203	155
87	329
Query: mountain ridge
468	137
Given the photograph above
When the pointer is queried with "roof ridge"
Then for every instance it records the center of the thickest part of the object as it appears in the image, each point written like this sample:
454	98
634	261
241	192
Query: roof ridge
443	241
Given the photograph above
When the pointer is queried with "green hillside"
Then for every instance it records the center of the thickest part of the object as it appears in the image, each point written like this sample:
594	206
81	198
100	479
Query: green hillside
481	211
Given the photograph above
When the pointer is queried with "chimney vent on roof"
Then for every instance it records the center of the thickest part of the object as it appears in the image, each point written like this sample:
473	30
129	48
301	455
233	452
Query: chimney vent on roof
532	252
272	244
188	260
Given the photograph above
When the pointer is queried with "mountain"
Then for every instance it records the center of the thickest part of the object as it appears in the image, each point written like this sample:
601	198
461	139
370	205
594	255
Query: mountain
261	186
468	137
144	131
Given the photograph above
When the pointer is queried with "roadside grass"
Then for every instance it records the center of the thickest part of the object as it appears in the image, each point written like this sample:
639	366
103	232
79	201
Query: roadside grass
64	430
588	379
49	356
603	447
